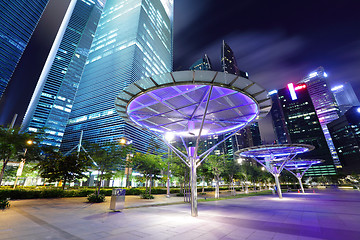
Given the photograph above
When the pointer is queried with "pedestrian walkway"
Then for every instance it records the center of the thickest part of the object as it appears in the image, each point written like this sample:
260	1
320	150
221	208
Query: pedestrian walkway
326	214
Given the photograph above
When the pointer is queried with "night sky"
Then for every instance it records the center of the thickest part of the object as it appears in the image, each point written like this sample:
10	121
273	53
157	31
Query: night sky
276	42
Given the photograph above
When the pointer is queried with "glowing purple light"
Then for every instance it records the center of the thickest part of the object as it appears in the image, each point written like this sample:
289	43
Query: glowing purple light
179	109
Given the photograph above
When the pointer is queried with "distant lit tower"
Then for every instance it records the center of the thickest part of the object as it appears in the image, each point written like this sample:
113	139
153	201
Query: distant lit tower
303	126
325	105
18	19
278	118
228	61
345	132
345	97
133	40
246	137
202	64
53	98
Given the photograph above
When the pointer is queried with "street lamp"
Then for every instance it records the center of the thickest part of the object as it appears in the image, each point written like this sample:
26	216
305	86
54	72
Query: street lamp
22	163
128	170
169	136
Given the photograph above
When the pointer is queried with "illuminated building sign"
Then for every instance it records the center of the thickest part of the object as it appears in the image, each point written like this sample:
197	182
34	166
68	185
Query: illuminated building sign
299	87
292	91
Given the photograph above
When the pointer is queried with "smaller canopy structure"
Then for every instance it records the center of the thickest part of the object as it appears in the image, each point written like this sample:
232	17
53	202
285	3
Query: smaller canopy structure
274	157
299	167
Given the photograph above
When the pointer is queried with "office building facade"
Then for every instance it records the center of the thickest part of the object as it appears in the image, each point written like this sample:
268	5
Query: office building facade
325	105
345	97
303	126
133	40
18	19
278	118
53	98
345	132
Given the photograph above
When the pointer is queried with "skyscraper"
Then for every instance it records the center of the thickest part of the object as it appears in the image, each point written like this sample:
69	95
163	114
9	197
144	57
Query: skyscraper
303	126
345	97
53	97
18	19
246	137
325	105
278	118
133	40
228	61
202	64
345	132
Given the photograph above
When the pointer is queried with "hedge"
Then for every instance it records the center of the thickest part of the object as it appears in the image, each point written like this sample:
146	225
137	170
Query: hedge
43	192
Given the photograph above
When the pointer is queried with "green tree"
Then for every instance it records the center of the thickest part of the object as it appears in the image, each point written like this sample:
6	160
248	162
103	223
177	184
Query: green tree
107	160
55	166
232	167
216	165
149	165
12	147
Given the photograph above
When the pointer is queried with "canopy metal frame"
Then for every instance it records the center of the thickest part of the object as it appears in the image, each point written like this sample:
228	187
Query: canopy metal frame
132	107
275	157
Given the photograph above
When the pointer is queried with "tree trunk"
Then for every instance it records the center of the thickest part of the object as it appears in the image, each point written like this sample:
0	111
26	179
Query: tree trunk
63	187
203	180
99	184
146	185
217	190
3	170
150	184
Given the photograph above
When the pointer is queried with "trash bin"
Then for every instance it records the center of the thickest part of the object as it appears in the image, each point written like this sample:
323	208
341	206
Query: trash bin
117	199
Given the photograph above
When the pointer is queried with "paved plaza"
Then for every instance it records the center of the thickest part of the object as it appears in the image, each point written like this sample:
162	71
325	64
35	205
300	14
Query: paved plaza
326	214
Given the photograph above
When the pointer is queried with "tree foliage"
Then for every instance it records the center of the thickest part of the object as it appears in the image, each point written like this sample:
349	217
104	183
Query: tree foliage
12	147
54	166
149	165
107	159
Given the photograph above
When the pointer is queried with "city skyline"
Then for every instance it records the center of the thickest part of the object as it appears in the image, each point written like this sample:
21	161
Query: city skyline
274	51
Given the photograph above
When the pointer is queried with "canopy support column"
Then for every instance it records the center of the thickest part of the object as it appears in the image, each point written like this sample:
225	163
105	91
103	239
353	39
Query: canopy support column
278	185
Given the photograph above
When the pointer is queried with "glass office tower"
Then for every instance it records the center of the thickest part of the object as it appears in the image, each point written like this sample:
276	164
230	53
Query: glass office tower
133	40
18	19
325	105
54	94
345	97
345	132
303	126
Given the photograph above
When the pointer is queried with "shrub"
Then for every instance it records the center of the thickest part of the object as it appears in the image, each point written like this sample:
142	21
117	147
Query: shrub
180	194
94	198
4	203
147	196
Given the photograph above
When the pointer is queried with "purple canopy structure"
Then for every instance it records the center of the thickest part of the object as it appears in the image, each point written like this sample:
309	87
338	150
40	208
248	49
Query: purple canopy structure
274	157
191	104
299	167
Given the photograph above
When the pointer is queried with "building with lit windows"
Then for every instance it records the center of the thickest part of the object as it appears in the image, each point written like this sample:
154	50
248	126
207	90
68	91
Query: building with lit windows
325	105
53	98
278	118
345	97
246	137
18	19
228	61
345	132
303	126
202	64
133	40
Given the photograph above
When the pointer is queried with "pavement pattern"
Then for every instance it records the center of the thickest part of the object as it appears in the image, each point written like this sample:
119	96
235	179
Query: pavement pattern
326	214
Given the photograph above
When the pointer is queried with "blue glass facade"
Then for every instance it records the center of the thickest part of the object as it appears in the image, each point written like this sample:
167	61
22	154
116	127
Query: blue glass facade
53	98
325	105
133	40
18	19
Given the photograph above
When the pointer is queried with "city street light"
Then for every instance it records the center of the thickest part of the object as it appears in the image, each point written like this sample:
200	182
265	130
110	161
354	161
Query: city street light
128	170
22	163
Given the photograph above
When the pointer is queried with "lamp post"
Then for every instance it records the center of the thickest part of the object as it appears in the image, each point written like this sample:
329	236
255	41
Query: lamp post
22	163
128	170
168	137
